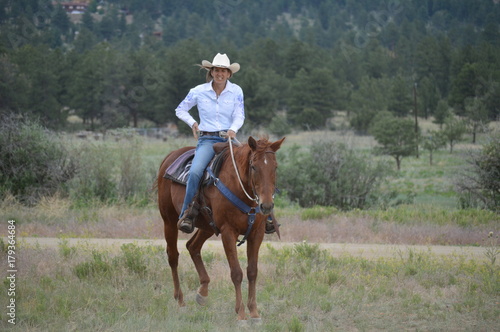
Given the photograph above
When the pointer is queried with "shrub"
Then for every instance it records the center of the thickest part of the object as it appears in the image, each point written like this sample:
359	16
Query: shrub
279	126
478	184
95	178
317	212
330	174
133	180
133	258
33	160
110	172
97	267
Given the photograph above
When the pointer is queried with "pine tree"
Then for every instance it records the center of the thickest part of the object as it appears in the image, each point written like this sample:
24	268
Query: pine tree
400	101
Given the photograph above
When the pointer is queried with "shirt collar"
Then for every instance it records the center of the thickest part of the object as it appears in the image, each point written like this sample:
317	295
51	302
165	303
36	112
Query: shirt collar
229	86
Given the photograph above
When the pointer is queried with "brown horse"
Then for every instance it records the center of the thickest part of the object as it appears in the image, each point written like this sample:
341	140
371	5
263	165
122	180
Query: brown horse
256	164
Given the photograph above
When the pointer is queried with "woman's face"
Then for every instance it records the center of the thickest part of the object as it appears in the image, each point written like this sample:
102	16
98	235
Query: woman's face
220	75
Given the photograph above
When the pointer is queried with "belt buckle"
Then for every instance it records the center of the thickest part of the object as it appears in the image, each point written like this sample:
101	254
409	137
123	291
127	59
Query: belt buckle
223	134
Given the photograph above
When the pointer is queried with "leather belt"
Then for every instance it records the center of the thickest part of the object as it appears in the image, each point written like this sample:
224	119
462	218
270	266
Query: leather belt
222	133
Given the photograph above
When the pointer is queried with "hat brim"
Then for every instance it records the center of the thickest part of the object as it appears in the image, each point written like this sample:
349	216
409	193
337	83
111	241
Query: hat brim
234	67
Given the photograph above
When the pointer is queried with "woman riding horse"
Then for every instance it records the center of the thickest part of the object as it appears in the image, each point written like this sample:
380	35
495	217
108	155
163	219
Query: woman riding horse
249	168
221	110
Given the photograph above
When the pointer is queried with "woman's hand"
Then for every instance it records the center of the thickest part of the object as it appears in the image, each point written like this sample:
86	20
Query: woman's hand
231	134
195	130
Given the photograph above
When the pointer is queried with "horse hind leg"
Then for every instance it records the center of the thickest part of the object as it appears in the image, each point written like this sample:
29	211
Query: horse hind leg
171	235
194	246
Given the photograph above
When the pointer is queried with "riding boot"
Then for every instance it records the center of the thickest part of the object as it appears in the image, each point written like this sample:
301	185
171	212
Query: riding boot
187	222
270	225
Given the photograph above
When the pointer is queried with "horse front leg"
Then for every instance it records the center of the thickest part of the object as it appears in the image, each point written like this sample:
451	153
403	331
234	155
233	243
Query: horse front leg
194	246
253	247
229	242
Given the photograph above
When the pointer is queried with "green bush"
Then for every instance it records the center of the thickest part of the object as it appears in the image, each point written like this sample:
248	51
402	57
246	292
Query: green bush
111	172
279	126
133	181
33	160
330	174
96	169
317	212
97	267
478	185
133	258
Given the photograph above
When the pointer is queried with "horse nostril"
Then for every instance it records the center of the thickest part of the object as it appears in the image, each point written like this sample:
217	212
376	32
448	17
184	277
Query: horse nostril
266	208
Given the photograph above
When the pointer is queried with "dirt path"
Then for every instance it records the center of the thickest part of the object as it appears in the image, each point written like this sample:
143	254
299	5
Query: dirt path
368	251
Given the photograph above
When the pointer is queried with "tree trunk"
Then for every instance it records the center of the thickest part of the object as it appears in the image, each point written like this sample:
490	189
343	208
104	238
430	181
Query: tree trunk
135	119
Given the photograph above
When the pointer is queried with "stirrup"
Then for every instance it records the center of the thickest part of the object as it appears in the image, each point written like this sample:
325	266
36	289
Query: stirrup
187	221
270	227
186	224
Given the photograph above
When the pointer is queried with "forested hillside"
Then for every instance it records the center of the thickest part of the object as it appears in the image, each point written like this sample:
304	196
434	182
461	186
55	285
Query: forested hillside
130	62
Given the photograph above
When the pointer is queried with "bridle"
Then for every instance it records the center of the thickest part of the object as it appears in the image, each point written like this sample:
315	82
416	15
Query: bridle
256	197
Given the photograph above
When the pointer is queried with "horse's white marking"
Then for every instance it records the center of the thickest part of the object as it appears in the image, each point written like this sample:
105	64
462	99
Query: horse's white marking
265	161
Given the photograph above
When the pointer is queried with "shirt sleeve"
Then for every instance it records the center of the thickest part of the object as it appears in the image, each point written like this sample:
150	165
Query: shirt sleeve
182	111
239	112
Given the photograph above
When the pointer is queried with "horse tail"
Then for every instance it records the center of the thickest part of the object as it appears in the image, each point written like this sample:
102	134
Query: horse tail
154	187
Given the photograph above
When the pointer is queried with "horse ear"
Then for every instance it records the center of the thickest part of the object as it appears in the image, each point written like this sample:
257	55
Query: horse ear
276	145
252	143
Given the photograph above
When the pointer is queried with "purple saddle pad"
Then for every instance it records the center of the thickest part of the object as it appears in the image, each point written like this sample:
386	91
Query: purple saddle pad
179	170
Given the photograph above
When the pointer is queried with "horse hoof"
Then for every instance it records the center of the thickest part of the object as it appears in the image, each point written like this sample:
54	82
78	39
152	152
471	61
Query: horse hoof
256	321
201	300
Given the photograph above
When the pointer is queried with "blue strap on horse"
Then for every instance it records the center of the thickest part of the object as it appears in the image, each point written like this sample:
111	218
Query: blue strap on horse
242	206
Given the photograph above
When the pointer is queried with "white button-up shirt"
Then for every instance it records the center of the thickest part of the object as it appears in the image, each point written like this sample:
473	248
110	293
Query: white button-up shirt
223	113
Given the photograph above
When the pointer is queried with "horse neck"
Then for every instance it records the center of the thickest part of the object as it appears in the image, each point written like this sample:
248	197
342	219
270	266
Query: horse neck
242	159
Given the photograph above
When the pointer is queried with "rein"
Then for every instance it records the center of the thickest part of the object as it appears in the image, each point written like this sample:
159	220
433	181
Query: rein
256	198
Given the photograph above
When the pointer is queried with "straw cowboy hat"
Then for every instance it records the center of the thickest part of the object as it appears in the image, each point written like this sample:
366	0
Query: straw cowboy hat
221	61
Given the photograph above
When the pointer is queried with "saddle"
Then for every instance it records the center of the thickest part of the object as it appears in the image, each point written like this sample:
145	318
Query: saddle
178	171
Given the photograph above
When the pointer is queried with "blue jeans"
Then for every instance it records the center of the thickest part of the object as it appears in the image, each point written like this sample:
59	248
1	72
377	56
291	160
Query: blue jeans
204	153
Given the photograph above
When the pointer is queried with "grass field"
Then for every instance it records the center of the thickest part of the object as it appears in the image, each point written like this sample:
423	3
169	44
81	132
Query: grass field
300	287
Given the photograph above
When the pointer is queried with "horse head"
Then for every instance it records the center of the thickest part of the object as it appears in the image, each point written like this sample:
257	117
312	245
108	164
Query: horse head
262	171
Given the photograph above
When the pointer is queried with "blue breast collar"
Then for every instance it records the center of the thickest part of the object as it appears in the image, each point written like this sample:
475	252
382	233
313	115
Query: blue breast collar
242	206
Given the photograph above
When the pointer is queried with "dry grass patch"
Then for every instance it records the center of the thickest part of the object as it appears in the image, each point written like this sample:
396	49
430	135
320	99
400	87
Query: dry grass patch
345	228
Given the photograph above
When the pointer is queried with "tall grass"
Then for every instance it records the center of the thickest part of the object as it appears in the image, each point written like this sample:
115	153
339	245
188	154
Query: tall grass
112	172
300	288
